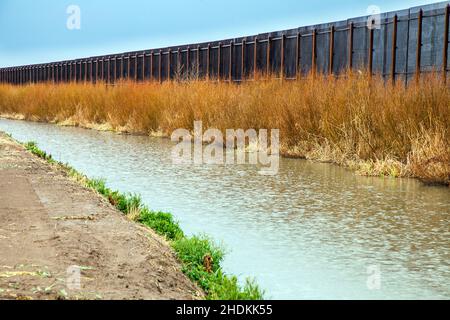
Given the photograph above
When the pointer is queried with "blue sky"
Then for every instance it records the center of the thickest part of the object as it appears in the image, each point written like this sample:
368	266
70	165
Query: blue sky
34	31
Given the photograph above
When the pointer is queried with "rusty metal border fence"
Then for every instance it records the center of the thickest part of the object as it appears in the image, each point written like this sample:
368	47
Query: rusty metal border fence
406	44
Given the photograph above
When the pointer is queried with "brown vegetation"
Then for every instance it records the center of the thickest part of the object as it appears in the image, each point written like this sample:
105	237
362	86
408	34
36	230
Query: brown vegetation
374	127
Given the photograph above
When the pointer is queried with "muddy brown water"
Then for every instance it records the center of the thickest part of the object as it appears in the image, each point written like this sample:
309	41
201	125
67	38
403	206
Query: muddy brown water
314	231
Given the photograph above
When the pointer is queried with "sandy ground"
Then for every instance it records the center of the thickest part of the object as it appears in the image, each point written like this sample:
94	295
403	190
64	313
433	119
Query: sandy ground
52	229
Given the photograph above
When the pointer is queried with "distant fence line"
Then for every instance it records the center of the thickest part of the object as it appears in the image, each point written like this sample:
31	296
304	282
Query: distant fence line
407	43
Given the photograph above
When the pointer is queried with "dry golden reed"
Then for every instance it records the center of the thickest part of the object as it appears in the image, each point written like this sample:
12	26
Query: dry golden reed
377	128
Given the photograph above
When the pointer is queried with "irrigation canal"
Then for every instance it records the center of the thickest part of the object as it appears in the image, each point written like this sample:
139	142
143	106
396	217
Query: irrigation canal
314	231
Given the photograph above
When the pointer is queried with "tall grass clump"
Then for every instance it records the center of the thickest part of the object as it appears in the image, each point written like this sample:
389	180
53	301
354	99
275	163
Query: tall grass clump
200	257
356	120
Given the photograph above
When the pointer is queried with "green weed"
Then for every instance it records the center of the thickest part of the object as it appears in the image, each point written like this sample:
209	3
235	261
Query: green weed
163	223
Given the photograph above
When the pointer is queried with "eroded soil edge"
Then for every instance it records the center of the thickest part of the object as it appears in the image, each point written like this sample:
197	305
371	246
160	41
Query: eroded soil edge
49	223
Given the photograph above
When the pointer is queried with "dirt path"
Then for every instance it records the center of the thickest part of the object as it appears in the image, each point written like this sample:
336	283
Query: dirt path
52	229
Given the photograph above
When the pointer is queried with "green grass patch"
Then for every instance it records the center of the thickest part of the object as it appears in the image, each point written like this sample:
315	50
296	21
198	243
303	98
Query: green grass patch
200	256
33	148
124	202
162	222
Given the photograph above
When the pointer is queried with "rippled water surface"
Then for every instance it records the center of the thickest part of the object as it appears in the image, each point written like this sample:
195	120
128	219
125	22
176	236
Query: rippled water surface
314	231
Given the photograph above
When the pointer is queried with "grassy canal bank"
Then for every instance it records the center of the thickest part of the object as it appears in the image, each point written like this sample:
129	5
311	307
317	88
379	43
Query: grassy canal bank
199	255
356	120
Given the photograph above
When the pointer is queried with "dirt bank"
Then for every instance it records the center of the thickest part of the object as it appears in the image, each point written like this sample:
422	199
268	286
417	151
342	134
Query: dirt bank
50	227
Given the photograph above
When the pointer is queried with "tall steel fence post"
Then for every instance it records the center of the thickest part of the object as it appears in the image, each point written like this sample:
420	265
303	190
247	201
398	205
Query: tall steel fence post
268	66
98	73
255	58
85	63
394	48
208	61
371	32
104	67
419	45
122	67
243	43
136	75
108	70
91	67
297	55
114	70
151	65
178	72
188	61
75	71
283	43
445	51
314	54
169	61
129	67
230	61
198	62
219	60
350	45
160	67
143	66
331	56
